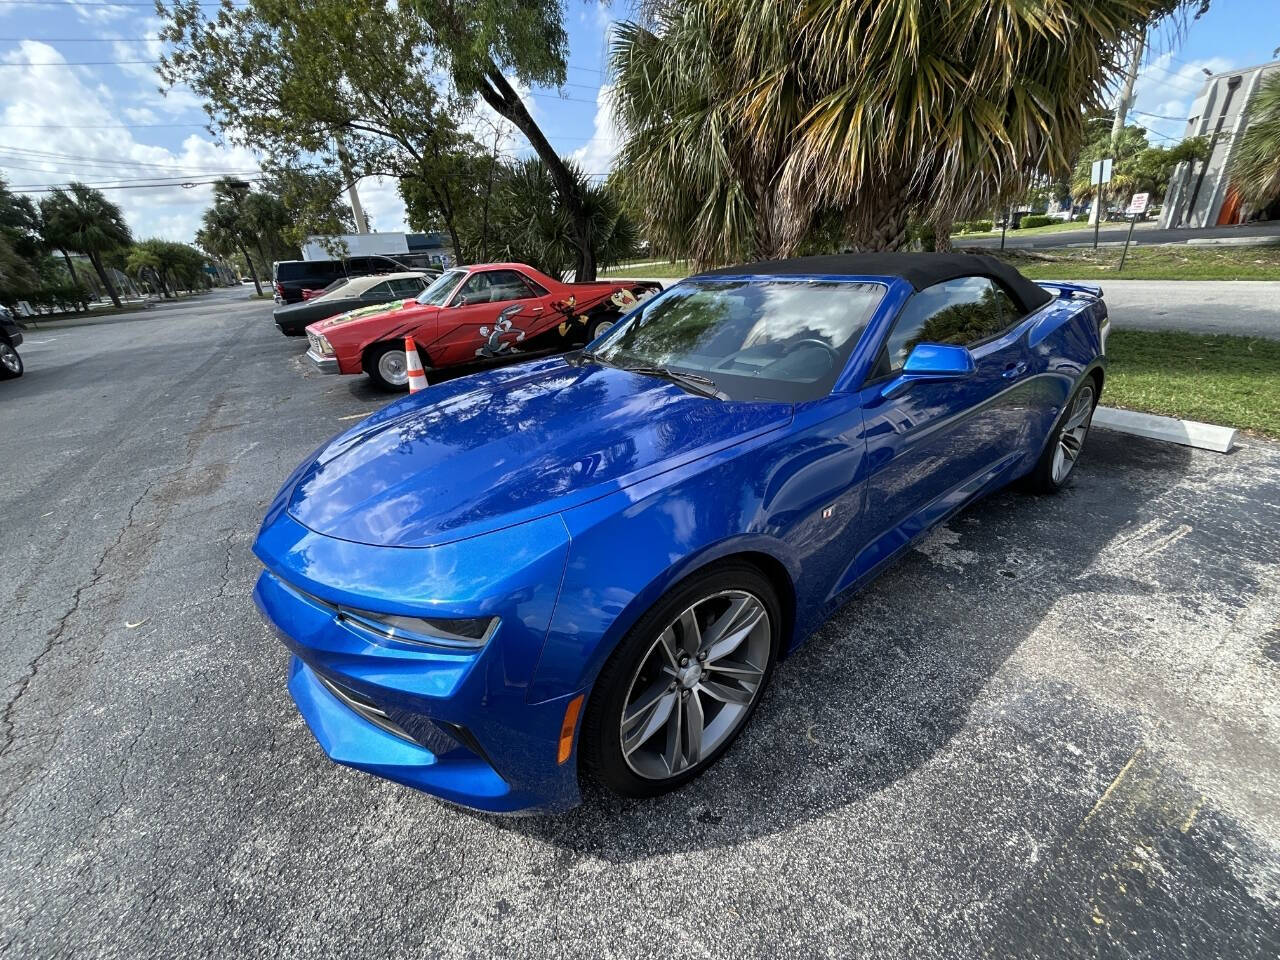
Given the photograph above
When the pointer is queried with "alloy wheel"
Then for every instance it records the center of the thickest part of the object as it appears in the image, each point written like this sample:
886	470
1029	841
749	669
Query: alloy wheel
9	357
696	684
394	368
603	326
1071	438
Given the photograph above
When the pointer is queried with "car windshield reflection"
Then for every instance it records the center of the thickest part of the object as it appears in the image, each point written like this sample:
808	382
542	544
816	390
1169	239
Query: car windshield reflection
784	340
441	288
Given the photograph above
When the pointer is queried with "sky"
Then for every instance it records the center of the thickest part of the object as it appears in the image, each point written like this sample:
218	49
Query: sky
78	100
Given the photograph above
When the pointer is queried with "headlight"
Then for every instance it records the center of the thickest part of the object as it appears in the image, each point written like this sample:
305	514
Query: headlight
465	634
325	346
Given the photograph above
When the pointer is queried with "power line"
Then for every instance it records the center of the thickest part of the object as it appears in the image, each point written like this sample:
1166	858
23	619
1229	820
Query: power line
49	188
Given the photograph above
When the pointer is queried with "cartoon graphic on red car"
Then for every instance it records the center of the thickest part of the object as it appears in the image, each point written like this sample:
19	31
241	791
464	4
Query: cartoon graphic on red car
470	315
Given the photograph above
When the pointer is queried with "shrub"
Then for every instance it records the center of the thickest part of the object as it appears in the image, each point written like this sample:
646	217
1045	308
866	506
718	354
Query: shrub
981	226
1038	221
1080	218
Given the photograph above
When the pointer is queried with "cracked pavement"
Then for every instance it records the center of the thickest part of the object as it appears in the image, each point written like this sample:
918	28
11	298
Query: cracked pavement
1053	729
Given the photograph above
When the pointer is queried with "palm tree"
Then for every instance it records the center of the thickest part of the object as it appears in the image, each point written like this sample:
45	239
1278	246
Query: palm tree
748	121
84	220
530	222
1255	167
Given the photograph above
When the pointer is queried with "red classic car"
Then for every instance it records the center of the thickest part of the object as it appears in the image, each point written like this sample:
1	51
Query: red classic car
470	315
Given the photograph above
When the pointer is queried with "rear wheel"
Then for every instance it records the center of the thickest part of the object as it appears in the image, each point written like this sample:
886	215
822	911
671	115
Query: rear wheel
600	324
10	362
387	367
683	682
1066	443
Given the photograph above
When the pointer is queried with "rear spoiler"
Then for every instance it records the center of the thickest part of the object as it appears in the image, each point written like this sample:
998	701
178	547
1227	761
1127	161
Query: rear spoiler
1062	288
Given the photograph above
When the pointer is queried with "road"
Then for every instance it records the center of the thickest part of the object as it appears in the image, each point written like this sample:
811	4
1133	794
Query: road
1246	308
1051	730
1142	234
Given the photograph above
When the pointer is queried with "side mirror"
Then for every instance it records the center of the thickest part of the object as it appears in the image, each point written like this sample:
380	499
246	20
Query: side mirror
932	361
510	312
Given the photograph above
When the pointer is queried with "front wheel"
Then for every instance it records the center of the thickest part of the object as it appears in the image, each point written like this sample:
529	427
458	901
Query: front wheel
683	682
1066	443
10	362
387	367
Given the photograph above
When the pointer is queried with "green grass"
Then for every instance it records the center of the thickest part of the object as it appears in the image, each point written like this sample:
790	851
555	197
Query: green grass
1067	226
1232	381
1149	263
681	268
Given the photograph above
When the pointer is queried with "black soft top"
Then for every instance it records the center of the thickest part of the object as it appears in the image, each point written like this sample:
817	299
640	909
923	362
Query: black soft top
918	269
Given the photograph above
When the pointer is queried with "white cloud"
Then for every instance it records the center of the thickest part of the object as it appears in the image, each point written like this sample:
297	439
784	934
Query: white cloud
1168	88
380	197
58	128
596	155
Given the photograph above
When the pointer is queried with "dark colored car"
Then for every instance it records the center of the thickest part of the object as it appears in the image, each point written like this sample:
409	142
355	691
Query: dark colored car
10	337
290	277
347	295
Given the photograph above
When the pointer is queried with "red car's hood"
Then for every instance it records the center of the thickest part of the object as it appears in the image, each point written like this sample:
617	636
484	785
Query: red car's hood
390	314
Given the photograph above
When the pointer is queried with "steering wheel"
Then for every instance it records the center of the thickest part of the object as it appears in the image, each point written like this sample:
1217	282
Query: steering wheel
832	356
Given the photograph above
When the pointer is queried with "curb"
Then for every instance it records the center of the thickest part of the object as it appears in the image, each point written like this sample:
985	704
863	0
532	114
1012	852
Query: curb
1190	433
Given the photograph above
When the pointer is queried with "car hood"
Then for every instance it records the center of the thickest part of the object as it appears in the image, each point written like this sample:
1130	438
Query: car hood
491	450
364	313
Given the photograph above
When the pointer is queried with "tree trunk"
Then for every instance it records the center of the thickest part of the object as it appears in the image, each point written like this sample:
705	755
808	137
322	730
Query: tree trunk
445	205
252	272
75	279
942	234
96	260
499	95
879	222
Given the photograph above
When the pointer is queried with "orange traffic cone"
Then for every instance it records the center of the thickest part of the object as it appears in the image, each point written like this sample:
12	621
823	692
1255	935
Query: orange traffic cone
413	363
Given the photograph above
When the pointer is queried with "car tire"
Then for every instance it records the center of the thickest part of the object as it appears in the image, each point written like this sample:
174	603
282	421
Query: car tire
1066	441
379	364
642	670
10	362
600	324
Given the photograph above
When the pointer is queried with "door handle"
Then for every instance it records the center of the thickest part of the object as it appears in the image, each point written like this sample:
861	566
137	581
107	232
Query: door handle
536	310
1015	370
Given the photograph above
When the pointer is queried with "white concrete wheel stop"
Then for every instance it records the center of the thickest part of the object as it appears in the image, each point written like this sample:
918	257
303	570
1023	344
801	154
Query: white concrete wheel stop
1191	433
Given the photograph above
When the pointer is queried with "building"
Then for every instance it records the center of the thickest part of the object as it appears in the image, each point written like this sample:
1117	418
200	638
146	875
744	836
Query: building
434	246
1200	194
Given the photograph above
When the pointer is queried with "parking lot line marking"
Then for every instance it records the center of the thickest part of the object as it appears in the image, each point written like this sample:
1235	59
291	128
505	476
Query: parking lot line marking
1111	786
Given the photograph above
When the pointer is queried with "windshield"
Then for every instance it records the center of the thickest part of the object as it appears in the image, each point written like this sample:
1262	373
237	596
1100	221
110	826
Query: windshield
332	288
441	288
784	340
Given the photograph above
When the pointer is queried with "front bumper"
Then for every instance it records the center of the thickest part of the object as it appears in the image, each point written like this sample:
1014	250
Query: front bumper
456	724
323	364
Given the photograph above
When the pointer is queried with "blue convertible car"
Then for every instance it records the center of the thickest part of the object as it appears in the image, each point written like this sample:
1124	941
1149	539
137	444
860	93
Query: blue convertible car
590	565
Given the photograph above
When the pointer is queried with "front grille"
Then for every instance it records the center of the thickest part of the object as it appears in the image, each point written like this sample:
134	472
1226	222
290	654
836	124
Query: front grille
314	340
365	707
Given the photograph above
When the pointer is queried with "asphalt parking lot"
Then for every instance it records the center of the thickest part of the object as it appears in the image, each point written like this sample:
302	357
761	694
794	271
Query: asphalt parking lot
1052	730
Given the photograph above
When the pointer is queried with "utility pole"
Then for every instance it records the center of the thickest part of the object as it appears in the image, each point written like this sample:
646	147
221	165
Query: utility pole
357	211
1121	113
1126	91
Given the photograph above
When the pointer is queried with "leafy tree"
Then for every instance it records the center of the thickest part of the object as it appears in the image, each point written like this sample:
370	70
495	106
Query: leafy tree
18	277
358	86
84	220
340	91
528	222
1255	167
169	265
748	120
311	199
226	228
